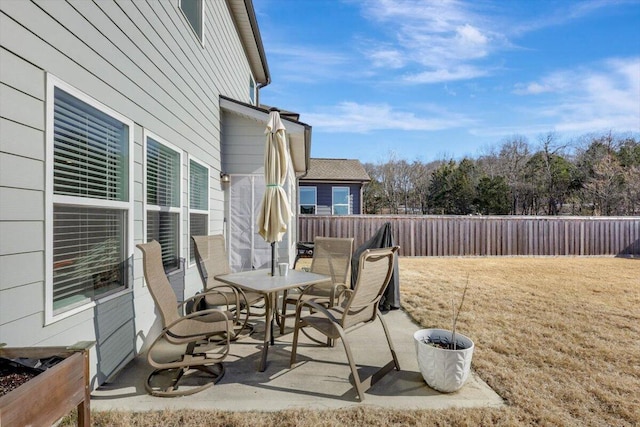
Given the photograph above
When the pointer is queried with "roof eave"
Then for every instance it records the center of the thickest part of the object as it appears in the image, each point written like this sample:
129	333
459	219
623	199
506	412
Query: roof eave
299	133
244	18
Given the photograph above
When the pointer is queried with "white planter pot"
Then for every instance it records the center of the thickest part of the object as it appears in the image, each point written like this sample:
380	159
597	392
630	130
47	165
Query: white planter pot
442	369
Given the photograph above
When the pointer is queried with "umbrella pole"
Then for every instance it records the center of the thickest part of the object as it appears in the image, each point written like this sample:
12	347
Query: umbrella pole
273	258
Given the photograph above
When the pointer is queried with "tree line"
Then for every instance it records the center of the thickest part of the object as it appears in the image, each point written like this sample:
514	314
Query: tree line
596	175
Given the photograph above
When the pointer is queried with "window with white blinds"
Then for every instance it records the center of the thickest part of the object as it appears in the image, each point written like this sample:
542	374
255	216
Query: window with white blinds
90	151
89	256
163	200
198	186
91	206
198	203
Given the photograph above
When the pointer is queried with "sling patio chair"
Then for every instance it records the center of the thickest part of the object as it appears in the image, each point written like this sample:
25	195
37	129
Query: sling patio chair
212	261
332	257
188	345
359	308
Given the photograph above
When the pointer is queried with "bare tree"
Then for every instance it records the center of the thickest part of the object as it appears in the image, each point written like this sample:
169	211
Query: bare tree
373	194
513	157
603	174
421	179
552	173
389	181
632	193
605	186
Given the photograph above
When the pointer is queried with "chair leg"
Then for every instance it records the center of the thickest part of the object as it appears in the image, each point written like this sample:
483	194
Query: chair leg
386	333
294	345
352	365
283	316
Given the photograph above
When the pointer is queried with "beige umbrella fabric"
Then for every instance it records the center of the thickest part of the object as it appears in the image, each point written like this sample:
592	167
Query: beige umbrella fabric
275	211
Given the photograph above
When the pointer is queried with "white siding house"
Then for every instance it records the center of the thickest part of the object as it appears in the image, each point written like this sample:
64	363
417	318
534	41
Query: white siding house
112	132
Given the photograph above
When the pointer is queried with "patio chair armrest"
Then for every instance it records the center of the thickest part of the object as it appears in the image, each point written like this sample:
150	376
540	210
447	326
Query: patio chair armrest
317	307
238	293
346	291
194	315
335	289
216	290
340	288
182	306
304	290
196	301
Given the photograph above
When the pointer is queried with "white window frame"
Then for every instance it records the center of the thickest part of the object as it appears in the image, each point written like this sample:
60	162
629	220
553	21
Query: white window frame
198	211
51	199
146	206
315	201
200	36
334	204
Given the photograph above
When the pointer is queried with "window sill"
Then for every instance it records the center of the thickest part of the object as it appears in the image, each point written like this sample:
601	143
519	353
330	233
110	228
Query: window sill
49	319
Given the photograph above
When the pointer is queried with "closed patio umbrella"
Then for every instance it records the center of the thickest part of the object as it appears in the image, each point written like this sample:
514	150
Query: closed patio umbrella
275	211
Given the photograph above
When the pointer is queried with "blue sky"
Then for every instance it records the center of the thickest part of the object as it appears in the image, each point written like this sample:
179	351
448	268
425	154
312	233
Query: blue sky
433	79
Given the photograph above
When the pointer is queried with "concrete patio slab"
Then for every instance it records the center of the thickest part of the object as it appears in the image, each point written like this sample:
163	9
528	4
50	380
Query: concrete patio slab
320	379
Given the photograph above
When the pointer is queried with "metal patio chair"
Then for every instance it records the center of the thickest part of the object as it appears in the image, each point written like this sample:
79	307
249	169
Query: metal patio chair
332	257
188	344
212	260
360	307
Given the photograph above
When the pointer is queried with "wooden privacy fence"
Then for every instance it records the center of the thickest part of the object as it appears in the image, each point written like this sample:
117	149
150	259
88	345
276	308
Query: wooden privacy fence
486	235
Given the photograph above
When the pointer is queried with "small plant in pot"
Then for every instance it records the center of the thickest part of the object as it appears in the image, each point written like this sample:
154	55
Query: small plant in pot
444	357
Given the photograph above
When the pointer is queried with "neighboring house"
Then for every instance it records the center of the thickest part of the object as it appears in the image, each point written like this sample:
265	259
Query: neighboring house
117	122
333	187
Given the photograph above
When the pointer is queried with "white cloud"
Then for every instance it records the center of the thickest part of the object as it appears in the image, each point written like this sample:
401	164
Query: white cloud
302	64
351	117
446	75
471	42
559	81
443	40
564	13
591	99
573	102
387	58
435	39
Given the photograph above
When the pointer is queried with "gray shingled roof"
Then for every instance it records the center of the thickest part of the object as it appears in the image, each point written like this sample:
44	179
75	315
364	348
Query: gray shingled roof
336	170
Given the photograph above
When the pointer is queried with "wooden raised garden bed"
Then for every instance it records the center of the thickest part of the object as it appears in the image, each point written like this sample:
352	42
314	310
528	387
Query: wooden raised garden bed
52	394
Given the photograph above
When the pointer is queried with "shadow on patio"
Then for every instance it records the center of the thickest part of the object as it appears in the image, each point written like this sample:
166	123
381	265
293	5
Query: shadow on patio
320	379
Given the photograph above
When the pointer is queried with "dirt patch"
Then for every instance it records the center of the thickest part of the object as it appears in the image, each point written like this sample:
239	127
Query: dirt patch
15	372
12	380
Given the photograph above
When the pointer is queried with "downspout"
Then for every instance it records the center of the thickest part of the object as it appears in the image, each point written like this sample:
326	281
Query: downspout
258	87
307	142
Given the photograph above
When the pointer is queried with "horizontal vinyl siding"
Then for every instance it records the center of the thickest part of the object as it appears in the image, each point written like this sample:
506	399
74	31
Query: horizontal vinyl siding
30	79
31	293
243	141
21	140
21	108
19	204
21	197
15	277
141	59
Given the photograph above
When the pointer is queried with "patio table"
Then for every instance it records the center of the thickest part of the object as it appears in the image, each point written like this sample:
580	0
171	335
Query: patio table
263	282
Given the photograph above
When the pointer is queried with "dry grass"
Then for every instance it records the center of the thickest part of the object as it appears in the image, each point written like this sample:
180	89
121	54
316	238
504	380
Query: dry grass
557	338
